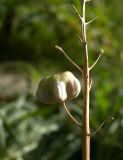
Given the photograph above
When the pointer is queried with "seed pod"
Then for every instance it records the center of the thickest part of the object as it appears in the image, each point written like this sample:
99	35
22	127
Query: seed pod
58	88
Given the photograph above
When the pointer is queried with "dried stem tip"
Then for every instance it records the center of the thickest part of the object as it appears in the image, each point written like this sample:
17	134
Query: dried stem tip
59	48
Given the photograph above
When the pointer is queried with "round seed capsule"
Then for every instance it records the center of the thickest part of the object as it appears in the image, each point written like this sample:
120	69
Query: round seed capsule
58	88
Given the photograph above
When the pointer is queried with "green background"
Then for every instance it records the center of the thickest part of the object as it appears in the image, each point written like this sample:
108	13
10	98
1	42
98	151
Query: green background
29	30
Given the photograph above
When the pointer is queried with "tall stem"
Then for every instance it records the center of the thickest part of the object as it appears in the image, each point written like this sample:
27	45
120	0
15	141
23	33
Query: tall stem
86	91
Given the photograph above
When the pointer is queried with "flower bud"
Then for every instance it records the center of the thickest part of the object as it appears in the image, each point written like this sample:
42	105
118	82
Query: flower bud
58	88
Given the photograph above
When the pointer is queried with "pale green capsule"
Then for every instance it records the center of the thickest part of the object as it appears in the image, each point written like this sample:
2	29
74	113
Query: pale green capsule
58	88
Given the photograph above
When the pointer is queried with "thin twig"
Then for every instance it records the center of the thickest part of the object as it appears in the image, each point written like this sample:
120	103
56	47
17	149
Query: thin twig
99	128
77	12
71	117
91	20
80	39
60	49
101	52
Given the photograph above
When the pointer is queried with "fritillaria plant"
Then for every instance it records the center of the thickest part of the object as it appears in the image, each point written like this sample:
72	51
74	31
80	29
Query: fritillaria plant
65	86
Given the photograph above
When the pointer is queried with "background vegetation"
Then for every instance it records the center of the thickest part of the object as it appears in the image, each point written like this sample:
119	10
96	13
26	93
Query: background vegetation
28	32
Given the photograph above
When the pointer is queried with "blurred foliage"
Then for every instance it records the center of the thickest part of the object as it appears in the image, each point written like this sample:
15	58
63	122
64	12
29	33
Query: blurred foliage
28	32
